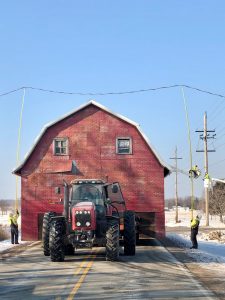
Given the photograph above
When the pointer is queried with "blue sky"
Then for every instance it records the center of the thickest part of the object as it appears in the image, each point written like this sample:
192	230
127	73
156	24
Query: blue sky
110	46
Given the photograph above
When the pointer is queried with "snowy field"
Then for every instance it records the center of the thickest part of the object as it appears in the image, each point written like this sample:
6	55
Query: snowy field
211	243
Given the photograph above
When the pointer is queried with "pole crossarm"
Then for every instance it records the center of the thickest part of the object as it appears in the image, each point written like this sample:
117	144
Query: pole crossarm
207	130
205	136
207	151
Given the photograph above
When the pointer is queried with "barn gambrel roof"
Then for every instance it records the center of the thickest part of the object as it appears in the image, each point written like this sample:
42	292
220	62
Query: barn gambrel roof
92	102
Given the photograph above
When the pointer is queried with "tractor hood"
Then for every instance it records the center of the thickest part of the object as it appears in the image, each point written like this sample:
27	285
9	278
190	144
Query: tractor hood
84	216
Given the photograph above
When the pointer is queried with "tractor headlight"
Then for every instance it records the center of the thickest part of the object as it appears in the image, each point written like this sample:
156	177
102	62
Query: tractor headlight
78	223
88	224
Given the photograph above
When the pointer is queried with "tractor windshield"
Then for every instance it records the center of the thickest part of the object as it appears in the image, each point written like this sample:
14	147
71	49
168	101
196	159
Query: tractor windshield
87	192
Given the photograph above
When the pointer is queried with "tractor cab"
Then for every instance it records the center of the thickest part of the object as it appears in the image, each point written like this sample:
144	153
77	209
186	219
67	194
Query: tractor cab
88	207
106	197
91	201
87	191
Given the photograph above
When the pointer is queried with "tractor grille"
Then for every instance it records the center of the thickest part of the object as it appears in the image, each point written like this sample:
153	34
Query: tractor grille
82	218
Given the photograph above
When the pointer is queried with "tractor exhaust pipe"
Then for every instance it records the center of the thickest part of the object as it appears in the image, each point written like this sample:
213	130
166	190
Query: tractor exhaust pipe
66	200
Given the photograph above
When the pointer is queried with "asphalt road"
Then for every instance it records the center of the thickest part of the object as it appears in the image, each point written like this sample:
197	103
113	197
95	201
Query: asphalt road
152	274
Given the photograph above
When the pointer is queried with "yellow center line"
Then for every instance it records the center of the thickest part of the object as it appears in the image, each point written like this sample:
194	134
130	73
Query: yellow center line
82	264
82	277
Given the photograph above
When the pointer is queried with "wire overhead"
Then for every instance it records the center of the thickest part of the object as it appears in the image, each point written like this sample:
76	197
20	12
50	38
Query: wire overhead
114	93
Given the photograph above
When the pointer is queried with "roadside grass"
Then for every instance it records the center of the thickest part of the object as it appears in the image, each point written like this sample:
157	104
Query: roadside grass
4	235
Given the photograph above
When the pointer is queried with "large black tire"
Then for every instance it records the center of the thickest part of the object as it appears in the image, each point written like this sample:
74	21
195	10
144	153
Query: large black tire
112	240
129	233
45	231
56	240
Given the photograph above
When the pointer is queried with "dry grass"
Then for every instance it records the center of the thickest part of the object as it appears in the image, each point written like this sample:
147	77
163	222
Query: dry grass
4	235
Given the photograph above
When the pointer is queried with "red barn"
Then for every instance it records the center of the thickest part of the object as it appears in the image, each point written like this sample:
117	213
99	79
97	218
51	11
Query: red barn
92	142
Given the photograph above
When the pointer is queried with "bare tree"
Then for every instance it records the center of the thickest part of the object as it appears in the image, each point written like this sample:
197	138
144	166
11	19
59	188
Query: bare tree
7	205
217	200
3	206
185	202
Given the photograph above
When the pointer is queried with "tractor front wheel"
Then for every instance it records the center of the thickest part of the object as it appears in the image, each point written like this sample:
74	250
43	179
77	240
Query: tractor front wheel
112	240
129	233
45	231
56	240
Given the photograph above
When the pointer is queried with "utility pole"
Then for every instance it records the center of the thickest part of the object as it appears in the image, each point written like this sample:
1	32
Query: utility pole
176	191
206	169
205	136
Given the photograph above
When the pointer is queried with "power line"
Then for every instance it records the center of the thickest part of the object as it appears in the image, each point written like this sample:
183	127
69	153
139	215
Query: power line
221	130
114	93
88	93
218	162
213	110
216	115
220	146
216	108
220	136
12	91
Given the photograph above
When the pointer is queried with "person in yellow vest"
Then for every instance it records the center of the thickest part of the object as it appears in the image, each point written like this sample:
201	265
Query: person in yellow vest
194	231
207	176
14	227
194	172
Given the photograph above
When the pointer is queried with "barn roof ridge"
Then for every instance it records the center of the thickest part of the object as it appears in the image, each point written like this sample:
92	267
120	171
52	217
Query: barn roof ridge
93	102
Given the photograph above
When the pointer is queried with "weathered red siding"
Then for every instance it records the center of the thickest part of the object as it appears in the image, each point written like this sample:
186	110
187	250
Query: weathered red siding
92	134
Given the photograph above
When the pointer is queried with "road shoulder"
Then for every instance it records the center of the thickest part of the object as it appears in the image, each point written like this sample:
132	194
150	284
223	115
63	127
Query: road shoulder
209	274
17	249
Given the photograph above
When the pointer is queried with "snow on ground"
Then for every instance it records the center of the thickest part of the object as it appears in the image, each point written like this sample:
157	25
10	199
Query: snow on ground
184	217
209	250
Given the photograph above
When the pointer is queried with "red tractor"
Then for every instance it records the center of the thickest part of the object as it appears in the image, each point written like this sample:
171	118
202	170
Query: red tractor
94	215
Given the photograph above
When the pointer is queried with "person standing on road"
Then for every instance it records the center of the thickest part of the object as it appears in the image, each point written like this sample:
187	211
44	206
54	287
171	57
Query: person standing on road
14	227
194	231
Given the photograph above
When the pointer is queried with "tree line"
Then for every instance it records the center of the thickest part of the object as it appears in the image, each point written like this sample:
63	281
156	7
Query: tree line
7	205
216	202
185	202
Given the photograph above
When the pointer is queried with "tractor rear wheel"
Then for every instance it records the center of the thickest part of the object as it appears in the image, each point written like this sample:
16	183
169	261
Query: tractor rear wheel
129	233
45	232
56	240
112	240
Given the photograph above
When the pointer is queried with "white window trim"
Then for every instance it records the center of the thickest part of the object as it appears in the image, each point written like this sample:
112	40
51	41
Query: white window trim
131	145
67	146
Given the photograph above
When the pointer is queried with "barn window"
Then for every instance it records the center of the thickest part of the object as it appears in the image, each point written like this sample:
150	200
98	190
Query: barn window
61	146
124	145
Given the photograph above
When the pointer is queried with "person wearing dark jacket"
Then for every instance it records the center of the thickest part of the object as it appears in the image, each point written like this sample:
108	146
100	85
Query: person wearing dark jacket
14	227
194	231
